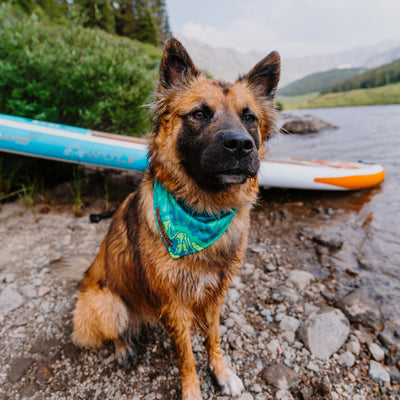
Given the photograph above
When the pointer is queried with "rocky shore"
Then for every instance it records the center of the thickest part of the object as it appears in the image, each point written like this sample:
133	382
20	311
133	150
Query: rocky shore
290	327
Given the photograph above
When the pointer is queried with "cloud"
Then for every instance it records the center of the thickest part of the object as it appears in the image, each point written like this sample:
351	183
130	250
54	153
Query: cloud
299	27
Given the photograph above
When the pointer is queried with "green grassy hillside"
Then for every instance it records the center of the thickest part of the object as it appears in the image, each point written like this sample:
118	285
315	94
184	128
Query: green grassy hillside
384	75
388	94
318	81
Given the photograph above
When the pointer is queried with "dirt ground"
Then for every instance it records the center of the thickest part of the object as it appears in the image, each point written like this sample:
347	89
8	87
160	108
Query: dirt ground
259	324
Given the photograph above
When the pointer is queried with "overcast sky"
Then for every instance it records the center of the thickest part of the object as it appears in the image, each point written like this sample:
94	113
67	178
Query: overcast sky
293	27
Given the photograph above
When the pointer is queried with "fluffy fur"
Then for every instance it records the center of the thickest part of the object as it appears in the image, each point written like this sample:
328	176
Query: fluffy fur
205	146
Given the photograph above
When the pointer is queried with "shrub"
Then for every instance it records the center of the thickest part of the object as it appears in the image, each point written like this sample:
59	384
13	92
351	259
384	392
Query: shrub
73	75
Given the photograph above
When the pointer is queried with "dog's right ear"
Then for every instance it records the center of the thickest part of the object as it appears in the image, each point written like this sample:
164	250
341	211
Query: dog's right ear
176	66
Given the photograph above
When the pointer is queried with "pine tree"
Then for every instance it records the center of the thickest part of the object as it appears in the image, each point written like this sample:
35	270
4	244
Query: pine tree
160	15
146	30
125	17
99	14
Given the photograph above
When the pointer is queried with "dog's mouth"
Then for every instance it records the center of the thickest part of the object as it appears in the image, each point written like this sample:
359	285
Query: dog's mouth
228	179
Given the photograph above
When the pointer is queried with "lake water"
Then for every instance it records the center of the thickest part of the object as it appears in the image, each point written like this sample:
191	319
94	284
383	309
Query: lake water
370	221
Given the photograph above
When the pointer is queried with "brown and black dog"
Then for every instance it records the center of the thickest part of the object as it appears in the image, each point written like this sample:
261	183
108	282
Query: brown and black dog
204	152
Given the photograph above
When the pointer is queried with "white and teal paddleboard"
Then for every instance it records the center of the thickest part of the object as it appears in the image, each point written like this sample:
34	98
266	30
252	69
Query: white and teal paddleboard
77	145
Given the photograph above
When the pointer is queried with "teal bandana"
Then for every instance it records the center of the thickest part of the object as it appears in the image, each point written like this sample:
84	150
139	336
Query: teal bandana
182	230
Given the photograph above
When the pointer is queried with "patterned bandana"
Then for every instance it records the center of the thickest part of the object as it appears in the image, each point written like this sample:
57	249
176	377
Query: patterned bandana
182	230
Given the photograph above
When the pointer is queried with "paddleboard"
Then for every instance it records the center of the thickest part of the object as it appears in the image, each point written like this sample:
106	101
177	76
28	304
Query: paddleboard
78	145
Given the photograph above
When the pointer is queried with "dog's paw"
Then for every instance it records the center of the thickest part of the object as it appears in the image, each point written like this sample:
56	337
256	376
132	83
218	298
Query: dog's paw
192	393
127	358
231	385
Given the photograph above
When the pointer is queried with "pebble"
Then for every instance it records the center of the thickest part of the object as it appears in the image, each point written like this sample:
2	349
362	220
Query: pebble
234	295
8	278
289	323
28	291
346	359
10	300
280	376
376	351
378	372
274	348
324	332
300	279
245	396
353	345
43	290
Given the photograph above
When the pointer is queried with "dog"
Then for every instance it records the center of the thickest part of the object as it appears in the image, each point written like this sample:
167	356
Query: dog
175	244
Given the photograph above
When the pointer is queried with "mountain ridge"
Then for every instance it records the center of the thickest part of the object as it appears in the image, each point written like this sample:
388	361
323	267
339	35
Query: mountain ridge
228	64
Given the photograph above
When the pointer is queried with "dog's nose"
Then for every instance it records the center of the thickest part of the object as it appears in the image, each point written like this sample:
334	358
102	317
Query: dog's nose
238	143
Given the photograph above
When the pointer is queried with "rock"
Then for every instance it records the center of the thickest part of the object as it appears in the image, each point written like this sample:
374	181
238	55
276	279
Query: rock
323	332
245	396
394	375
378	372
234	295
313	366
390	336
10	300
303	124
274	348
300	279
18	369
346	359
8	278
332	240
43	291
28	291
376	351
353	346
360	306
258	248
280	376
289	323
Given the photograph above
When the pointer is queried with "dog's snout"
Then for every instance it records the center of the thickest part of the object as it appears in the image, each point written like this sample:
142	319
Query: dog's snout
238	143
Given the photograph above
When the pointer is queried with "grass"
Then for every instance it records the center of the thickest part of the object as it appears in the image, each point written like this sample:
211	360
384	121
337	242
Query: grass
389	94
294	102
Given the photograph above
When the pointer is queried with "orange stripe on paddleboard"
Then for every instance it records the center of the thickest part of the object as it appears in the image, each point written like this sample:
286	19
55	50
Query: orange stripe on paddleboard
355	181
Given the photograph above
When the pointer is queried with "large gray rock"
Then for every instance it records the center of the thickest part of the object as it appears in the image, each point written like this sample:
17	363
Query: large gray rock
303	124
324	331
280	376
361	306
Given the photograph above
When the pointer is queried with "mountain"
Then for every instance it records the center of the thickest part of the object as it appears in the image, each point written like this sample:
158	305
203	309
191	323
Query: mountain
228	64
318	81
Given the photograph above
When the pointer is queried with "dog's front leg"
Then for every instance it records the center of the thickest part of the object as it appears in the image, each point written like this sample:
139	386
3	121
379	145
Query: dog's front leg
229	382
179	324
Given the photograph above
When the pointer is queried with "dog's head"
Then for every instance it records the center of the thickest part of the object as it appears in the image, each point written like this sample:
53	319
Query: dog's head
211	131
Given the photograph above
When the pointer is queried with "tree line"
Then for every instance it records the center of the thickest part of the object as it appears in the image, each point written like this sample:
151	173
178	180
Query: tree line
381	76
143	20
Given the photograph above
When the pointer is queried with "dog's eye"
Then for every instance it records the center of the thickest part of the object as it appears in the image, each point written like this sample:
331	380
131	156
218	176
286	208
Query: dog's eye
249	118
199	115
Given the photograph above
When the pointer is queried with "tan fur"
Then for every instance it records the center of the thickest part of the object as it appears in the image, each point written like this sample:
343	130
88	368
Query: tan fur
133	279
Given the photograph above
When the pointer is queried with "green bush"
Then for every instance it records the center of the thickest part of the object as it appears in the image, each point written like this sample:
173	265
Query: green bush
72	75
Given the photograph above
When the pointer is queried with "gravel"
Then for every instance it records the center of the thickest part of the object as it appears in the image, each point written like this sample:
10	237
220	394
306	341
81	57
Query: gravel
260	321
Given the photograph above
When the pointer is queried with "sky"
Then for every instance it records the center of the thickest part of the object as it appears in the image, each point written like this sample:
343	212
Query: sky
293	27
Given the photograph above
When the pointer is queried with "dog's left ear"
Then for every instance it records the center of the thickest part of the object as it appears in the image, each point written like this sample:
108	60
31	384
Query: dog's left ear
265	75
176	66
